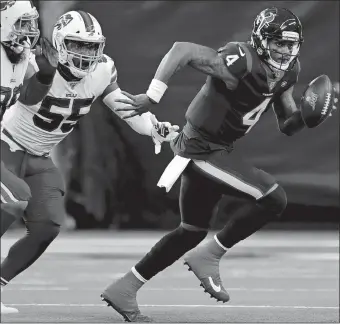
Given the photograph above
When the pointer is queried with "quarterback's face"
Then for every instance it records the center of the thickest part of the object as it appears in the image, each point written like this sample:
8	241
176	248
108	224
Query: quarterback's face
281	50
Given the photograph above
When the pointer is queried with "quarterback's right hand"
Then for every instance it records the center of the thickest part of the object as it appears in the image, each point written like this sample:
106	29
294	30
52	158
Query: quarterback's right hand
46	57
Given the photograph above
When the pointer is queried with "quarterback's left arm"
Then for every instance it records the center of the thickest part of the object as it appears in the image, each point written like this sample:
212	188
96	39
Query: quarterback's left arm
145	124
288	114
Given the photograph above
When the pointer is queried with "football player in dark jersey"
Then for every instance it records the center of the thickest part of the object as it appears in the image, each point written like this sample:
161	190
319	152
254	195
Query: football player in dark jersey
244	80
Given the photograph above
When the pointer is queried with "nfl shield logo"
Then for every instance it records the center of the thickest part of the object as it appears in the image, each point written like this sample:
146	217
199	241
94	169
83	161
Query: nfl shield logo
73	84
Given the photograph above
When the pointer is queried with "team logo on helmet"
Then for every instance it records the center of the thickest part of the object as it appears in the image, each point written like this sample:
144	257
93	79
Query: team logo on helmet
63	21
264	19
4	4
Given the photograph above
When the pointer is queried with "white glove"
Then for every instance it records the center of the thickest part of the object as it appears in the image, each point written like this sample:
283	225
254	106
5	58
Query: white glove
162	132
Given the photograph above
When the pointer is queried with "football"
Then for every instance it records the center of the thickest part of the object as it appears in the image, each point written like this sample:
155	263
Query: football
317	101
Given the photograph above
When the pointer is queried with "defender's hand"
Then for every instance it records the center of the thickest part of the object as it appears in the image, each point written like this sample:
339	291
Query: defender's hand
47	57
162	132
139	104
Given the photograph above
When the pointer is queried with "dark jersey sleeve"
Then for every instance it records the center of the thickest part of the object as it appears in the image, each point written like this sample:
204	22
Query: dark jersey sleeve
237	59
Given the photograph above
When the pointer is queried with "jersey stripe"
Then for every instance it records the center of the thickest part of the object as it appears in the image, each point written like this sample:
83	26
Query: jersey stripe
229	179
6	194
89	26
113	75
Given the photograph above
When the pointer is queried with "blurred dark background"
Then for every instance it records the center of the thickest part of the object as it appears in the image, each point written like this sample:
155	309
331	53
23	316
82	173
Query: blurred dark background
111	172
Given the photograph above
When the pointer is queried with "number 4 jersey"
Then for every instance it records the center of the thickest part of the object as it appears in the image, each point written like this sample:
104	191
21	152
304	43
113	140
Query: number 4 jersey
220	115
40	127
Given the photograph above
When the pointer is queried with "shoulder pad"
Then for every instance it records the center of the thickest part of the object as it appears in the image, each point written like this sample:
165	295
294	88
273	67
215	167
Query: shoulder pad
237	58
107	66
112	68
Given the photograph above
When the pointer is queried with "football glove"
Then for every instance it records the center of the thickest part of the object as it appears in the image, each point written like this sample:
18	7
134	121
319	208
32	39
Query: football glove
162	132
46	57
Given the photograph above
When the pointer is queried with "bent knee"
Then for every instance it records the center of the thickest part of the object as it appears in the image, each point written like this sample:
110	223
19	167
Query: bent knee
44	231
194	233
275	201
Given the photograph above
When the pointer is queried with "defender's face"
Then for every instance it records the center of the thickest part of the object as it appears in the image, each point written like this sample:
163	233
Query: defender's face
281	50
83	52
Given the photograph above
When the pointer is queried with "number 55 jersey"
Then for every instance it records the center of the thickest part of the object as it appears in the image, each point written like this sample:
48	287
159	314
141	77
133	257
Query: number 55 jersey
40	127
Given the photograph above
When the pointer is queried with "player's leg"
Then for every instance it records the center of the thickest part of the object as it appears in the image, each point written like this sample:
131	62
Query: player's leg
43	217
198	198
267	201
15	193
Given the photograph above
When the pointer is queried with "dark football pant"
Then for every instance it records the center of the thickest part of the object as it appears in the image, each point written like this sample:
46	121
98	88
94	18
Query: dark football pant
203	184
15	194
13	189
44	213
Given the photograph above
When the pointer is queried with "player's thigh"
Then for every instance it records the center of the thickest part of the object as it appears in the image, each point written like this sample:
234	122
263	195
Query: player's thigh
13	189
199	196
47	202
236	176
14	160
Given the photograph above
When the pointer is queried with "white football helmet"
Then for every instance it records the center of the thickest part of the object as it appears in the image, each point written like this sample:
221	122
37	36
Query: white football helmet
19	19
78	38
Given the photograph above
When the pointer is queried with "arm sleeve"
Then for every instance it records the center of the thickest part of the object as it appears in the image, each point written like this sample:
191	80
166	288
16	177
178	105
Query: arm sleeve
33	91
140	123
36	87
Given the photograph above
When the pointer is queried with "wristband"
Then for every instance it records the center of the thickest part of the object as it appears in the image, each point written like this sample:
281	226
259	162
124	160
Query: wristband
156	90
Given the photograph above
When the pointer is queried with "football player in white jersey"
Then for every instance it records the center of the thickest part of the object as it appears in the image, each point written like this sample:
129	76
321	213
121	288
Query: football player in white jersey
19	33
30	132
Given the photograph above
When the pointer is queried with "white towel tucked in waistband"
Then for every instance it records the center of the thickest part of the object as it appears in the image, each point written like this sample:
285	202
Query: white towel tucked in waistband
172	172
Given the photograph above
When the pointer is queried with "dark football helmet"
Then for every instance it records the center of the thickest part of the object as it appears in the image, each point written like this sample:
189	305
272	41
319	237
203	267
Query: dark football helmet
277	24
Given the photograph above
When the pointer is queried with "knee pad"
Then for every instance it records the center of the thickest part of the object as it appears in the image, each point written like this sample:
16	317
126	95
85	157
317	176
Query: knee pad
275	201
45	232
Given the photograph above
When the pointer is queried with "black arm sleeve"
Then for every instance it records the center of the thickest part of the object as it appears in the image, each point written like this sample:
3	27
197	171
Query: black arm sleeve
35	89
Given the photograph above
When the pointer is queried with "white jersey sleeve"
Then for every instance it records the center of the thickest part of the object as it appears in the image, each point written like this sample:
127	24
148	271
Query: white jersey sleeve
108	74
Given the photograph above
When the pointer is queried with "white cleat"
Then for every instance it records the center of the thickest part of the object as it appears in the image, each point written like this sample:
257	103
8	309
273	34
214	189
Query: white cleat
8	310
